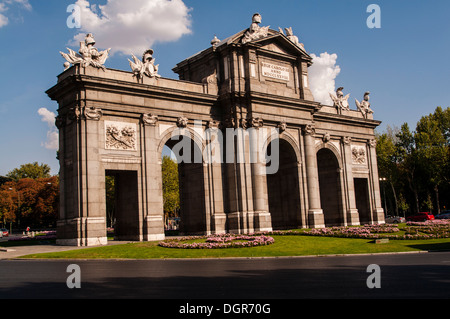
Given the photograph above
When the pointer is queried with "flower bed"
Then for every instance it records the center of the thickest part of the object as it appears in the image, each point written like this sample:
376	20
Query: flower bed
366	231
428	229
352	232
218	241
413	230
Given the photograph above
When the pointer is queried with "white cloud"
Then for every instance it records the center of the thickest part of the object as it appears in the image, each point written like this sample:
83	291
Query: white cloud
322	75
6	4
24	3
3	20
48	117
133	26
52	140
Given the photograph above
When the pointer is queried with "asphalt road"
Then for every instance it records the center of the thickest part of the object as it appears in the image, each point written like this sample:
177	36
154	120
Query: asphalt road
405	276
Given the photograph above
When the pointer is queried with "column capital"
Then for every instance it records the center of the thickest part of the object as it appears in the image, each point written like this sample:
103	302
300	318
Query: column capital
310	129
255	122
213	124
149	119
346	140
282	126
92	113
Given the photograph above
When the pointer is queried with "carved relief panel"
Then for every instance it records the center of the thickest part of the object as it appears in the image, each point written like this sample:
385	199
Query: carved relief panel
359	155
120	136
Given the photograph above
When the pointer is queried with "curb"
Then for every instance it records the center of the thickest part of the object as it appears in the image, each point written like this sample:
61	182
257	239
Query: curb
230	258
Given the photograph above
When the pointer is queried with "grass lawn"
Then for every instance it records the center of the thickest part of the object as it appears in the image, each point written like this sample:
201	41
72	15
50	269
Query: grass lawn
283	246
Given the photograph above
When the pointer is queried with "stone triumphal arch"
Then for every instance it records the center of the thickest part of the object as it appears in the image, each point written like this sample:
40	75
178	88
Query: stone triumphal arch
256	152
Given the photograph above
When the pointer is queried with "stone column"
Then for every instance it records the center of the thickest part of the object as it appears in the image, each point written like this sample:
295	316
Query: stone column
60	123
315	213
151	171
241	214
83	219
377	210
93	180
213	176
262	218
352	211
69	231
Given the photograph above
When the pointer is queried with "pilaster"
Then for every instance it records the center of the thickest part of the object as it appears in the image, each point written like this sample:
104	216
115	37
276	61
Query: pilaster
315	213
262	218
378	211
152	179
352	211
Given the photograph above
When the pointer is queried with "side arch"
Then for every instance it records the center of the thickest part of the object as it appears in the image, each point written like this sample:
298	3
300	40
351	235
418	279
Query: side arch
185	132
286	136
331	147
283	186
330	185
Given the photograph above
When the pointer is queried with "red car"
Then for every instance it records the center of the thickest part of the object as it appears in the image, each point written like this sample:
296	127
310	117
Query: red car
5	232
420	217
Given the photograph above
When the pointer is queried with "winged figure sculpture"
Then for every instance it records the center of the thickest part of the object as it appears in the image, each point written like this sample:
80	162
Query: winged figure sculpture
340	101
146	66
364	105
87	55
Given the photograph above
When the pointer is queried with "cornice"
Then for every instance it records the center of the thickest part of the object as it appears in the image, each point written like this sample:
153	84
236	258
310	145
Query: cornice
345	119
88	82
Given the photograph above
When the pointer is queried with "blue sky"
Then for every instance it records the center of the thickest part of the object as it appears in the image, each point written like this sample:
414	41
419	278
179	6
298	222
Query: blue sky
404	64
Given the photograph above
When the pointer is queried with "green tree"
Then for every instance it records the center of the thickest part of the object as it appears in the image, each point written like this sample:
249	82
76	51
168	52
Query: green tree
407	161
110	189
442	116
30	170
171	196
432	143
417	163
387	164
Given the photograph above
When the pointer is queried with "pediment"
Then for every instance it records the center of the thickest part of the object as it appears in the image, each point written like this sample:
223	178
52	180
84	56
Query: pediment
276	47
279	43
275	41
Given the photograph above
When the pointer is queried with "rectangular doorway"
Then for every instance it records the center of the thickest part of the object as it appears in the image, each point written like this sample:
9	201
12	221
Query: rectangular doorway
362	200
123	204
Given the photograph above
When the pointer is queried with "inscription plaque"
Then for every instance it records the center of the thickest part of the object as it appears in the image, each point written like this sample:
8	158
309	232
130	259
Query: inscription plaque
275	71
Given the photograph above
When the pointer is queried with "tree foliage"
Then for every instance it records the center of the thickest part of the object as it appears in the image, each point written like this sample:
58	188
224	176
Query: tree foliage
30	201
110	190
30	170
30	196
416	164
171	197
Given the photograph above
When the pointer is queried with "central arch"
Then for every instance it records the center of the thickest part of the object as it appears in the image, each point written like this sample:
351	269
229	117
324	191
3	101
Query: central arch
283	187
184	146
330	187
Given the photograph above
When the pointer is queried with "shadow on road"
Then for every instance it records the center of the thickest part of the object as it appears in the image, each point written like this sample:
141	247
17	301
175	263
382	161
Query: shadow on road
222	280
